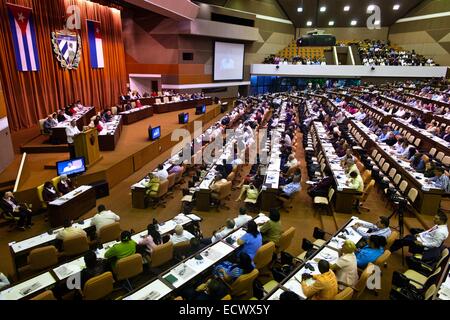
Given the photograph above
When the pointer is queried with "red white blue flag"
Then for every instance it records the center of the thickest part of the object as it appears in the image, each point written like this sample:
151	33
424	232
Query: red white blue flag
24	37
95	44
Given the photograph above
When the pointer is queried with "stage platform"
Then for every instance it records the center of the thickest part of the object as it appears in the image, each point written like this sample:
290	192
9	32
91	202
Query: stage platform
133	151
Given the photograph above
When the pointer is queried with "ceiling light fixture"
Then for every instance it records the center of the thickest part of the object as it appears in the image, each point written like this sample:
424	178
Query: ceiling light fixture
331	23
300	9
347	8
323	9
371	8
354	22
309	23
396	7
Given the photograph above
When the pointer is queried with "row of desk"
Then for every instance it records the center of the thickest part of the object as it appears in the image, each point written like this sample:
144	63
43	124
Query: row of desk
429	196
344	197
48	279
148	109
190	269
110	135
328	252
83	119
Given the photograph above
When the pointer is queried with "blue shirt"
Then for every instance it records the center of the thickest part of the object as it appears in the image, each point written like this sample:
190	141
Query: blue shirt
251	244
291	188
367	255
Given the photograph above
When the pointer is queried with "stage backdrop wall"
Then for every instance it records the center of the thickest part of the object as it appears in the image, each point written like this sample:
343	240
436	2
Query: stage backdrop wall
31	96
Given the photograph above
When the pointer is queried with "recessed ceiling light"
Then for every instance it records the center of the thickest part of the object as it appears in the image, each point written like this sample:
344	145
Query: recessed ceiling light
323	9
371	8
331	23
347	8
309	23
300	9
396	7
354	22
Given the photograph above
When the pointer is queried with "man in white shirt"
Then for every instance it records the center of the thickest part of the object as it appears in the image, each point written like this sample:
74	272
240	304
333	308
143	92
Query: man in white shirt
71	131
162	173
222	233
380	228
181	235
242	218
425	240
103	218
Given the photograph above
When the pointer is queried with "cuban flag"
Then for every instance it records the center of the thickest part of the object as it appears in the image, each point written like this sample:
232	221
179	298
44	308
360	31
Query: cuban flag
95	44
24	37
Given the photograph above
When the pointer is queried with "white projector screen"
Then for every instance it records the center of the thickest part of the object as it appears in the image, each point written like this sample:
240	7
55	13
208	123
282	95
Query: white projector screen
228	61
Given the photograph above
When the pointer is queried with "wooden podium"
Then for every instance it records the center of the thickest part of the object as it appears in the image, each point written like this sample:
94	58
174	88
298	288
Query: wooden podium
86	145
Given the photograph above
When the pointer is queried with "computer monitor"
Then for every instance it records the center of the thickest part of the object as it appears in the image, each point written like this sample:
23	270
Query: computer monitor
155	133
71	167
183	118
200	109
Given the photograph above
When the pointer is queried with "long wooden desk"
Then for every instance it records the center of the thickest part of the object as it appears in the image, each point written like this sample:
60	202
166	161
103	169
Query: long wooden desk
328	252
190	269
49	278
181	105
429	197
137	114
428	140
110	135
344	198
83	119
71	206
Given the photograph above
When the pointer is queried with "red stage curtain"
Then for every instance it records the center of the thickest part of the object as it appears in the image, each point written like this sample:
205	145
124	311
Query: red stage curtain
31	96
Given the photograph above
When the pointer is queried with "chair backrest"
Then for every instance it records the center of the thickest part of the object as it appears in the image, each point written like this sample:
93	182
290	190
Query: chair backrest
360	166
330	194
345	294
98	287
46	295
412	194
162	254
383	258
42	258
366	176
264	255
392	237
158	101
432	152
374	153
55	182
242	287
362	282
128	267
39	191
114	110
75	245
368	190
231	176
171	180
392	172
440	156
41	125
163	188
224	190
444	255
446	161
385	167
431	291
397	178
166	99
227	297
285	240
403	186
181	247
109	233
417	142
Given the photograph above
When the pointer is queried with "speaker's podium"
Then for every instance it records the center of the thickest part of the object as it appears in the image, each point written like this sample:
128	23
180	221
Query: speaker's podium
86	145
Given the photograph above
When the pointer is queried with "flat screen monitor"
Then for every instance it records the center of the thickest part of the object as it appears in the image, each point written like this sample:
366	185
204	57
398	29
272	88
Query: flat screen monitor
186	118
71	167
156	133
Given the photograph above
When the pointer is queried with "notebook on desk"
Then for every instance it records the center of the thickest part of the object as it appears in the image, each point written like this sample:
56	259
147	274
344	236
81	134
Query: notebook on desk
171	278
